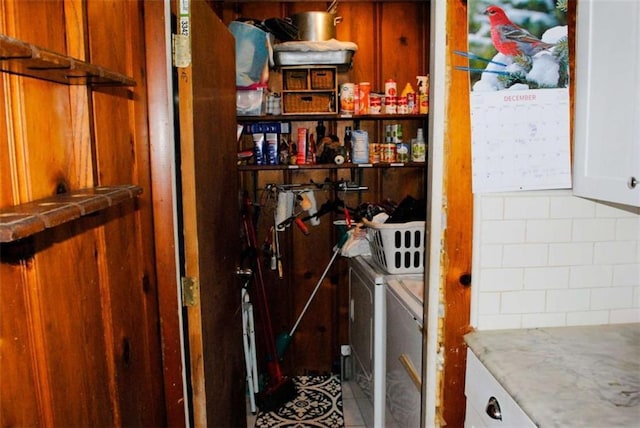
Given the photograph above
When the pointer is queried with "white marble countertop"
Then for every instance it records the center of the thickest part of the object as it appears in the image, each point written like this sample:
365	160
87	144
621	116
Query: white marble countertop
587	376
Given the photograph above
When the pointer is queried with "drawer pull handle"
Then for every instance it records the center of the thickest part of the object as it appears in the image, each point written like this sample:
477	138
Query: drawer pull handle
493	409
411	371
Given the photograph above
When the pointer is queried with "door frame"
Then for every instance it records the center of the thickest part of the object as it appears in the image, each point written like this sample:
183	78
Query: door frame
157	22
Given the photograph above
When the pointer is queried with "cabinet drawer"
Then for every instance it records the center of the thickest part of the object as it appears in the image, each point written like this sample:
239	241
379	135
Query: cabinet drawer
295	79
323	78
308	102
483	392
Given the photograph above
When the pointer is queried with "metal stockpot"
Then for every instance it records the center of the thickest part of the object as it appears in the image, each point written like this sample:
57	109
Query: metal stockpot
316	26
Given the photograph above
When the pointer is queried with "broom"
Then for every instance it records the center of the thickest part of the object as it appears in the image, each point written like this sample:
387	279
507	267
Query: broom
283	340
280	389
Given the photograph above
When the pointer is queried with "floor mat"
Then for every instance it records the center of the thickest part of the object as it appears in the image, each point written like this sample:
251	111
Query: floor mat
318	404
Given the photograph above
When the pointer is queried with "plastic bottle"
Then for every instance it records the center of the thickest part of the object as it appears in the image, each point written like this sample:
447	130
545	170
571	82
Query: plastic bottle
418	147
347	142
320	131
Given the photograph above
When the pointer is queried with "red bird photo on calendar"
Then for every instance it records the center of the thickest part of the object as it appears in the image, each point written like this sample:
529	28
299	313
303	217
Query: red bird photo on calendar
516	45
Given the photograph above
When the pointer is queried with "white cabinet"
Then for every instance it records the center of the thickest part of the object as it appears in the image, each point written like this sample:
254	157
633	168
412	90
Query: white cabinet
488	403
607	101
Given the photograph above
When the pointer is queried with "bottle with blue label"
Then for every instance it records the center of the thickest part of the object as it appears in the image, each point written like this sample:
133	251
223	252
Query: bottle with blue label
360	146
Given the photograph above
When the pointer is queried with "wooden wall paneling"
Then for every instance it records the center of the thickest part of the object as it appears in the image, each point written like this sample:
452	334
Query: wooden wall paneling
311	347
459	232
69	305
401	38
255	10
359	23
116	39
18	370
43	159
6	147
72	313
40	109
79	99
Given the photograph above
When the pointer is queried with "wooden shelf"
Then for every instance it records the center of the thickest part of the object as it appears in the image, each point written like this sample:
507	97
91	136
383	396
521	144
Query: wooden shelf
24	59
332	166
23	220
328	116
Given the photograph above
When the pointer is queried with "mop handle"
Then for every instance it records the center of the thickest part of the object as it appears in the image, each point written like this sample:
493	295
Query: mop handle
315	290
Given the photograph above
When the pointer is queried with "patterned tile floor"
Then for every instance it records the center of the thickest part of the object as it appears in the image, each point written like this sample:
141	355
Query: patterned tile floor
358	412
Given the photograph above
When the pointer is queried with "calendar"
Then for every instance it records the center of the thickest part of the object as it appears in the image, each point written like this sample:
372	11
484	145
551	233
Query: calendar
520	140
519	97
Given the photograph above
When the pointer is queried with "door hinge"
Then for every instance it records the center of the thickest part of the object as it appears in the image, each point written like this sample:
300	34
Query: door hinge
181	50
190	291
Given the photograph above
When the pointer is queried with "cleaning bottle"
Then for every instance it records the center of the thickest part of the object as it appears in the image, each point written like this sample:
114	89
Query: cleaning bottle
418	147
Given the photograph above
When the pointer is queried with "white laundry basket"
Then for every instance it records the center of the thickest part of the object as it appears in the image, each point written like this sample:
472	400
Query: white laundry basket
398	248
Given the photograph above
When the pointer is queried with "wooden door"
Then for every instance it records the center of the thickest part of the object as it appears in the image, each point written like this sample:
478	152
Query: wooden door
210	219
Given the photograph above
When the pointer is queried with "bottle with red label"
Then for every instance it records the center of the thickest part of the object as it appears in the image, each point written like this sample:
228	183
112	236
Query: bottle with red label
390	96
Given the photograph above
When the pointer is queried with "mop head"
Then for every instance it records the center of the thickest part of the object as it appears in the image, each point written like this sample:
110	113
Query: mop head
277	396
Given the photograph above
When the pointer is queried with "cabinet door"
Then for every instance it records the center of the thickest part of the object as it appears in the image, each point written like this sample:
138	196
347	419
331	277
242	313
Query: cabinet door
607	107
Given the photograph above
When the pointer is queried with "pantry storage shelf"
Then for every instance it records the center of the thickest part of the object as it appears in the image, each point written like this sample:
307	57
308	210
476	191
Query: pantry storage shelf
25	59
326	116
332	166
24	220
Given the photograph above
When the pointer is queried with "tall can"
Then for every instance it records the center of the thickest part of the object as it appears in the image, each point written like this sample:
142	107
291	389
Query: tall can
347	98
364	90
388	133
399	134
390	96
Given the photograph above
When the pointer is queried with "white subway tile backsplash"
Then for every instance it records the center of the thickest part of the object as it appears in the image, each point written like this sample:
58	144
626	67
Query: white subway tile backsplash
546	278
501	279
547	258
492	208
571	207
602	229
621	316
489	303
543	320
499	322
522	302
569	254
611	210
526	207
509	231
611	298
567	300
556	230
628	229
618	252
626	275
591	276
517	255
491	255
587	318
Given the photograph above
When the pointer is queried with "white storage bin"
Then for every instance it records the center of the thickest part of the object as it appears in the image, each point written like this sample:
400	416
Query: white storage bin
398	248
250	102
